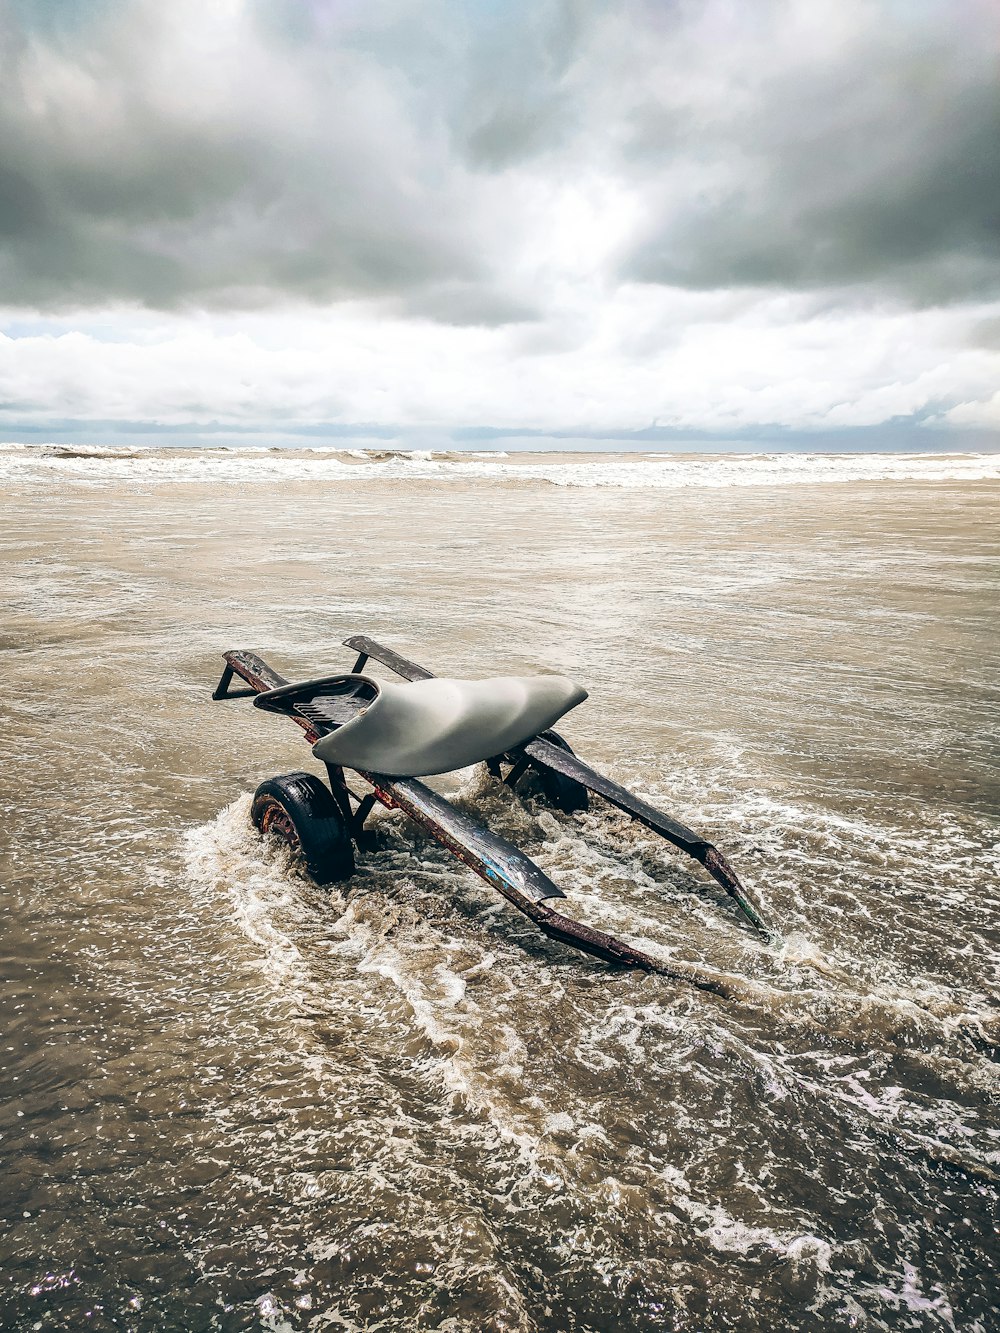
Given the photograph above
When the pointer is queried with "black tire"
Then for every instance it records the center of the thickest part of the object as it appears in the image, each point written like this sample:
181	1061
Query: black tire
301	811
566	794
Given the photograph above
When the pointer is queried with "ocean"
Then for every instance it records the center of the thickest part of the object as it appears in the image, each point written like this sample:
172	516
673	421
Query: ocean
234	1100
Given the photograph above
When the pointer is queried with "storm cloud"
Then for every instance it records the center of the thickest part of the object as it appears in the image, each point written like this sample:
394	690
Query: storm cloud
867	155
173	155
548	213
234	154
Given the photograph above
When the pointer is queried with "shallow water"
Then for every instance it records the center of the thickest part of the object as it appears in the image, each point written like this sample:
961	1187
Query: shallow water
234	1100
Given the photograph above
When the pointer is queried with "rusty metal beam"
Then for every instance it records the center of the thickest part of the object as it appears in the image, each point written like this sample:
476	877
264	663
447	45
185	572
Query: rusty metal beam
545	754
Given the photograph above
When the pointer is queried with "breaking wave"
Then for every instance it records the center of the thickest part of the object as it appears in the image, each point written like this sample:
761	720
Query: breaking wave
97	465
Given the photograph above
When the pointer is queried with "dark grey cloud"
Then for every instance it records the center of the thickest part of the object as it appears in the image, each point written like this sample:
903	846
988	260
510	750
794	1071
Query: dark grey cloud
143	160
516	101
243	156
465	305
876	165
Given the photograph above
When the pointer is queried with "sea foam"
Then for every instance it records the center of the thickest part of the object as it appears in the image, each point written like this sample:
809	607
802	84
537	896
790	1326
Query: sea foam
96	466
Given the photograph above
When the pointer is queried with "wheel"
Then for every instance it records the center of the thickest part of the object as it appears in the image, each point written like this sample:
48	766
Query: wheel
566	794
300	810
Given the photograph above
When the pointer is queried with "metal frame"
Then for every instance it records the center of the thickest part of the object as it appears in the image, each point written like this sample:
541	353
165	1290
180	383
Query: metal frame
499	862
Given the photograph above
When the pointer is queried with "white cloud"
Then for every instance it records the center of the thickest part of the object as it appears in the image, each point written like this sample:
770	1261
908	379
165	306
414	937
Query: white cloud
980	412
618	362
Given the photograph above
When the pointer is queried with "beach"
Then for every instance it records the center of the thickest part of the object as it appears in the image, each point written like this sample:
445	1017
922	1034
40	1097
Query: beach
235	1100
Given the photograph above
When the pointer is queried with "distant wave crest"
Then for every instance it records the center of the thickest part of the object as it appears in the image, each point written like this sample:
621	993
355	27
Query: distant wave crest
91	464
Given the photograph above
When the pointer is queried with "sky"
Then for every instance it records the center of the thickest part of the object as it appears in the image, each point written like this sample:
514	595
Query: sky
501	223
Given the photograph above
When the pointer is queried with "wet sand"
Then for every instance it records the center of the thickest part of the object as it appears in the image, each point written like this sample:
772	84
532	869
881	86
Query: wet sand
234	1100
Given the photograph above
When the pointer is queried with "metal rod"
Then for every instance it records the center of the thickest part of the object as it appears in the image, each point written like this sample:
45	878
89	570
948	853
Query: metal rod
517	771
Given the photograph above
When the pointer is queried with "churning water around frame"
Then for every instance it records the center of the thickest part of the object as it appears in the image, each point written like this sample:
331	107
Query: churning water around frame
233	1100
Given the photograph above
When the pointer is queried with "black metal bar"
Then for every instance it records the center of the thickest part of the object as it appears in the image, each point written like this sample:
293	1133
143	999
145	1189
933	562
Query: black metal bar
338	785
363	811
394	661
360	664
222	690
544	752
517	771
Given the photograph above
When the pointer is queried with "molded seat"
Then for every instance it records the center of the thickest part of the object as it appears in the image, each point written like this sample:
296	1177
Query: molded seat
434	726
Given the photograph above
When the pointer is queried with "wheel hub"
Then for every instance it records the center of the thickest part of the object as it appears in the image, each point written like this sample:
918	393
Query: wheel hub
277	821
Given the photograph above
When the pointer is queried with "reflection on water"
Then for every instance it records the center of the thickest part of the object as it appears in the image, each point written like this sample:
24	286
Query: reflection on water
234	1100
